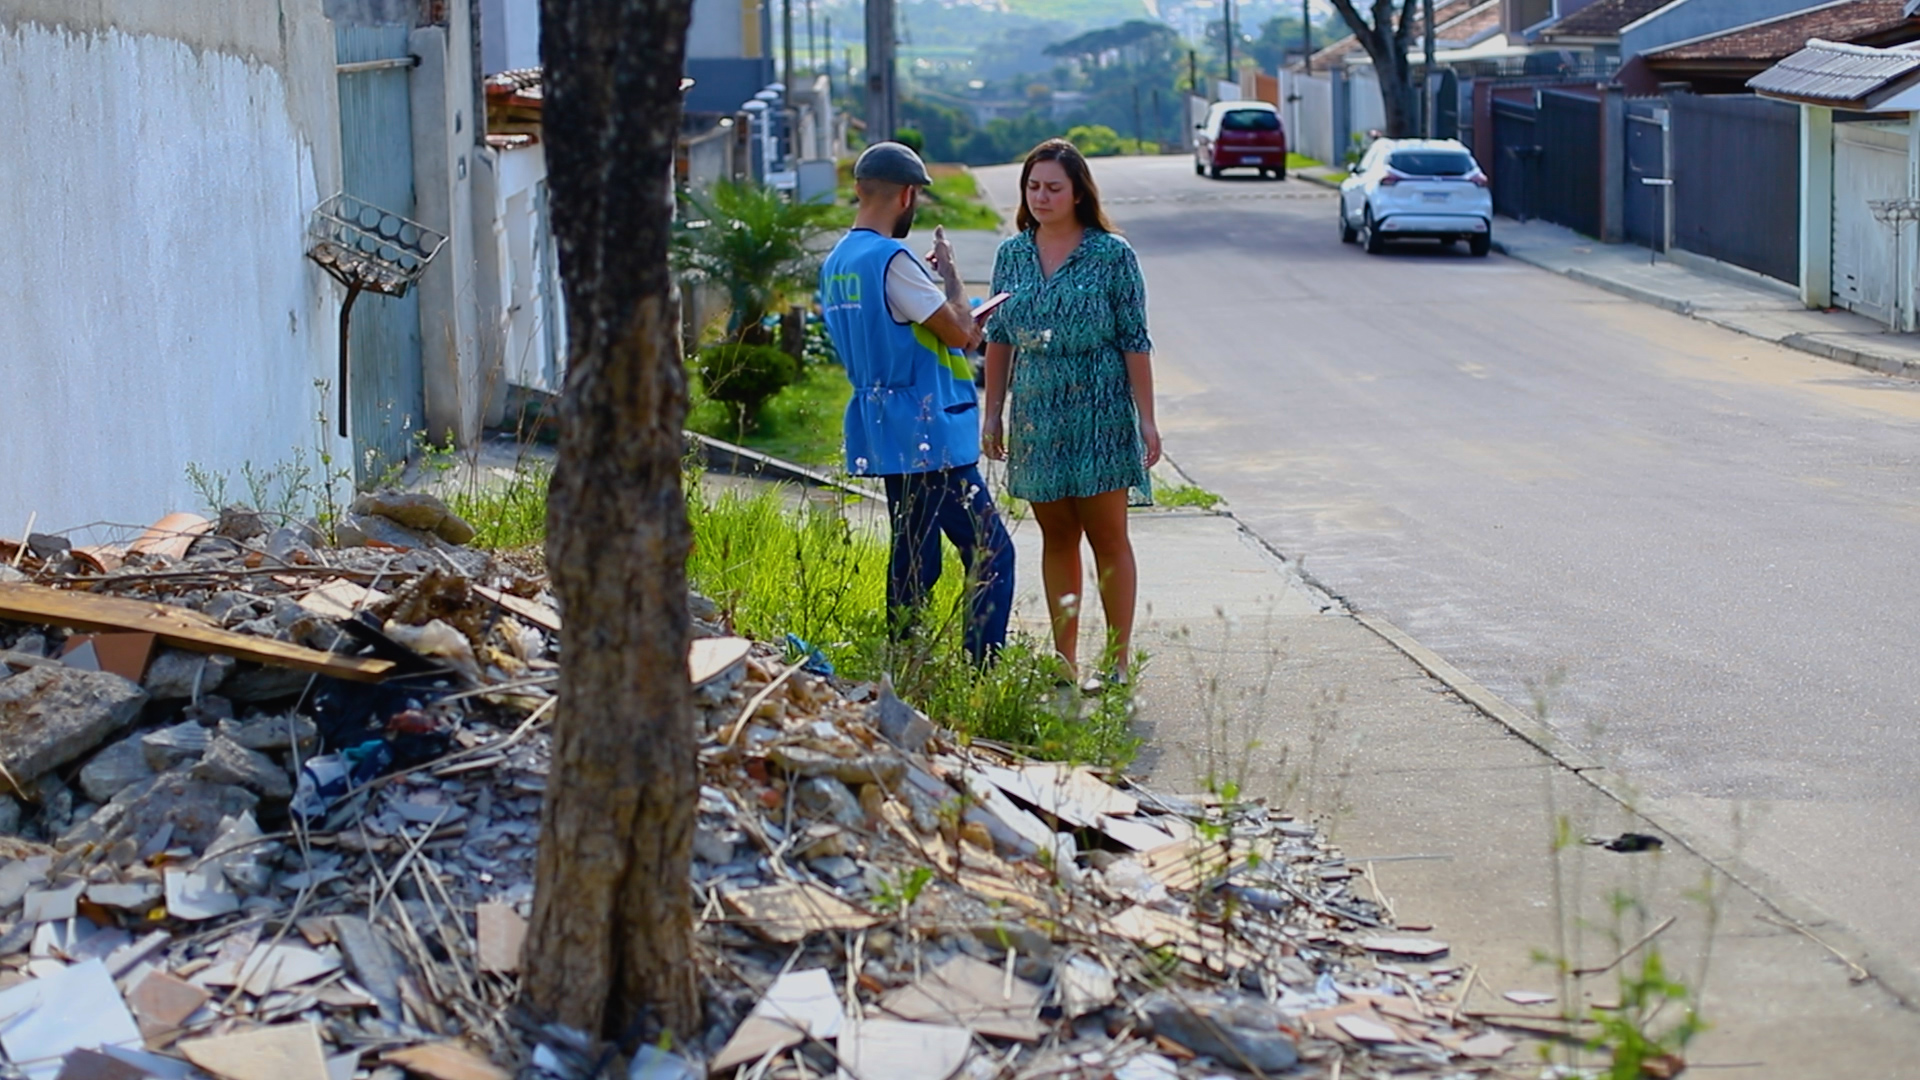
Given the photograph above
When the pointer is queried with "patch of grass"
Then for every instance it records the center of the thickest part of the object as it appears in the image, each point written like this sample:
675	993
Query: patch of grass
1301	161
953	201
777	570
511	513
1186	496
801	424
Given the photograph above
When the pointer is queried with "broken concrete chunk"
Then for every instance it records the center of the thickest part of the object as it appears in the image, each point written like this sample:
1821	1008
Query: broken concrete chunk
20	875
115	769
360	530
1235	1031
170	746
227	762
190	810
271	733
177	673
899	722
52	715
826	797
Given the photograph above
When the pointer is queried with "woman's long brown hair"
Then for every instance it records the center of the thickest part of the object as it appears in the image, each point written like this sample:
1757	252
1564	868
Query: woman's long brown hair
1086	194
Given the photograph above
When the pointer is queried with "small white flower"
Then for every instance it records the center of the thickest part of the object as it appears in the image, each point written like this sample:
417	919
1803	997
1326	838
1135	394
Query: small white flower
859	463
924	448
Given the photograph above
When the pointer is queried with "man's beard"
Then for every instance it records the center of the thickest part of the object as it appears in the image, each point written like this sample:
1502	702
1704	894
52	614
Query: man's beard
903	224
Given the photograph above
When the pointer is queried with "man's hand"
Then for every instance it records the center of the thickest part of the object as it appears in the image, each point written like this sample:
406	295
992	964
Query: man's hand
941	259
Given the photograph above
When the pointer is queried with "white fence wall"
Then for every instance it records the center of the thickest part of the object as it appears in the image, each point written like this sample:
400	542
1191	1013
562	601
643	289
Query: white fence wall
1363	90
1308	100
159	309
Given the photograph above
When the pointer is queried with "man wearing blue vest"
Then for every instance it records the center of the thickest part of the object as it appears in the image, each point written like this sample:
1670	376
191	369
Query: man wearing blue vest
914	420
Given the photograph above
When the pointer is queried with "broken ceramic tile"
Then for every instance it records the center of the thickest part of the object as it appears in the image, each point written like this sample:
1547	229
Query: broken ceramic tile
50	905
965	992
502	932
197	895
1404	946
62	1011
278	1052
799	1004
445	1061
899	1050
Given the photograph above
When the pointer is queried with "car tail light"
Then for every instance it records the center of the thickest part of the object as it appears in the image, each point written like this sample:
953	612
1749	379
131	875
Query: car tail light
1479	179
1391	179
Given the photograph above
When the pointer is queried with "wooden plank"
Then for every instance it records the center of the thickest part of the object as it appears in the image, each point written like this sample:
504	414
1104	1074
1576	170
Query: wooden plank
532	611
175	626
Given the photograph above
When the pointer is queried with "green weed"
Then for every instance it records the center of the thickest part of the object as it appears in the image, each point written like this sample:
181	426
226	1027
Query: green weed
1186	496
801	423
509	514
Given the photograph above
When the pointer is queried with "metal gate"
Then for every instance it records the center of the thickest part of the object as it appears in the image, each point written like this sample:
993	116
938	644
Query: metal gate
1646	204
1514	158
1869	162
1736	181
376	144
1568	128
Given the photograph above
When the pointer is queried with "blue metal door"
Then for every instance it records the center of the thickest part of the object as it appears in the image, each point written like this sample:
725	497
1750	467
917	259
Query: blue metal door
386	404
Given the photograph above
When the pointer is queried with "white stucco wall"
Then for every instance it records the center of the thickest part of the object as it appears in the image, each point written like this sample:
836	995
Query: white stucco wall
156	308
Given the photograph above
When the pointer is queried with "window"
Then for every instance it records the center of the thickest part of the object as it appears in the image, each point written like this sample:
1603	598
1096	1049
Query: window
1431	162
1250	120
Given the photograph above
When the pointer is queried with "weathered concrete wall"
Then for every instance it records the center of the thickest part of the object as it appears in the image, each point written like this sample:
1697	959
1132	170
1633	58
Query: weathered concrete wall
158	307
443	166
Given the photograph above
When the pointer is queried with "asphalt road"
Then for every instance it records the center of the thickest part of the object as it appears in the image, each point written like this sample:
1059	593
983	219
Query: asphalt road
1702	551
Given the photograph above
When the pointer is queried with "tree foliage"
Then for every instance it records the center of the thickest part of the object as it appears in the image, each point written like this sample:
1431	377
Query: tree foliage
757	245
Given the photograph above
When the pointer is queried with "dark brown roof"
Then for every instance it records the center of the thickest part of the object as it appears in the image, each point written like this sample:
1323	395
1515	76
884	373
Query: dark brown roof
1602	18
1443	10
1858	22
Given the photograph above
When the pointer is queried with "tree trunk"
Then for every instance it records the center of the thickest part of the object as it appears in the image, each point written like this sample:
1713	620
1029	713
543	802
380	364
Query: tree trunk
611	944
1386	46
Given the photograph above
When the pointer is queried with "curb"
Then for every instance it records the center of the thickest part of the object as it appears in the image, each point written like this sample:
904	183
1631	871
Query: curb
1900	982
725	457
1894	366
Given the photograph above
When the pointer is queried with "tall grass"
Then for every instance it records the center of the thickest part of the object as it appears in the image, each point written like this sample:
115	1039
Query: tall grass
779	570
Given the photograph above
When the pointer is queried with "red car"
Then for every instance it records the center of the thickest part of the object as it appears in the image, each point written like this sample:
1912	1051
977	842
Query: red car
1240	135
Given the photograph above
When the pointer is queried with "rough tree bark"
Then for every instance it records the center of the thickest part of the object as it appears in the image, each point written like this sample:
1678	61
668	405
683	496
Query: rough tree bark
1386	44
611	943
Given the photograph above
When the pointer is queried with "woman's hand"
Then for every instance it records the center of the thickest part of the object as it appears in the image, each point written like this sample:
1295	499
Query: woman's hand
993	439
1150	439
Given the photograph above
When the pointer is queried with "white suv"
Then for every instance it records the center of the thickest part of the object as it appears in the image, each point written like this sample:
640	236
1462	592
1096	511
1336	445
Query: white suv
1417	188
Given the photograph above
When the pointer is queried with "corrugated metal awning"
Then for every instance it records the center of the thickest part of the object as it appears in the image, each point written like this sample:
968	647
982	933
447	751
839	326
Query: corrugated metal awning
1838	75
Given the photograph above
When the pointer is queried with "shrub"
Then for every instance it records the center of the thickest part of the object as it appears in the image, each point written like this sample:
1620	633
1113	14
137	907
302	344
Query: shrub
745	376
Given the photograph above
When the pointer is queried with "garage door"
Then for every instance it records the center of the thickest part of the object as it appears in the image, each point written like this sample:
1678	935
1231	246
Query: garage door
1869	162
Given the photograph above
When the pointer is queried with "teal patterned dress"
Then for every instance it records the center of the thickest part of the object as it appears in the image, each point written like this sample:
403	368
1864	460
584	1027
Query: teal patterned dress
1073	429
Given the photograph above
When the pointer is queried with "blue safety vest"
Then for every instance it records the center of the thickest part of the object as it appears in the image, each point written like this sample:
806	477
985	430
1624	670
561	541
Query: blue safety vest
914	408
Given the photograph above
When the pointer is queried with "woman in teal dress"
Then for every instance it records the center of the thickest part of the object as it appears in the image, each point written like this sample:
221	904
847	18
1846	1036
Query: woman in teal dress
1072	346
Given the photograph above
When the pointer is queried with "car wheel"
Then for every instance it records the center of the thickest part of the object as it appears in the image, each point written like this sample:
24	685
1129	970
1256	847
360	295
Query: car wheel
1479	244
1348	234
1370	237
1279	174
1213	171
1199	169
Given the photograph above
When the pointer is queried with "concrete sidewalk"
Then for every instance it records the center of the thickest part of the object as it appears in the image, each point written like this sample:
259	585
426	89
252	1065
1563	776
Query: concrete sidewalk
1723	295
1256	677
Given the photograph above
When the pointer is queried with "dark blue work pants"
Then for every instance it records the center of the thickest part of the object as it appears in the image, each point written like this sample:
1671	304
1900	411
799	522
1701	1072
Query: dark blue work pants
921	507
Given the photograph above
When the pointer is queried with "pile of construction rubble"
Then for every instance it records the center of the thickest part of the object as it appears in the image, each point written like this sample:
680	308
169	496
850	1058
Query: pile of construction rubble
273	806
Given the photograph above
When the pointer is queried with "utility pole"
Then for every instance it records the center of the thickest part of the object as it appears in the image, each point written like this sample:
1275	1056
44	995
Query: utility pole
882	107
813	60
1193	71
1427	75
786	49
1139	135
1226	16
1306	38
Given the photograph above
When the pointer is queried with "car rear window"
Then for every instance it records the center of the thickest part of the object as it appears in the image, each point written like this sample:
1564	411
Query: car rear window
1250	120
1431	162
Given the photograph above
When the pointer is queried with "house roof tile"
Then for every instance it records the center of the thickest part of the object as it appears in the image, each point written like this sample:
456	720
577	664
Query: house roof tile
1857	21
1838	74
1602	19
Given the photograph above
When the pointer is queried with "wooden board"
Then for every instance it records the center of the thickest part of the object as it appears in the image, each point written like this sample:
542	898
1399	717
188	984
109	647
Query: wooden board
532	611
175	626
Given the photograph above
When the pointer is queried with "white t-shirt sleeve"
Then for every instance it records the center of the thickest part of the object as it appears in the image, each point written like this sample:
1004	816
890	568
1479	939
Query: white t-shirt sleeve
912	294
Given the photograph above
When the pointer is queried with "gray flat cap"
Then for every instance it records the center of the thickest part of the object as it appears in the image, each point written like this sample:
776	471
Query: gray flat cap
892	162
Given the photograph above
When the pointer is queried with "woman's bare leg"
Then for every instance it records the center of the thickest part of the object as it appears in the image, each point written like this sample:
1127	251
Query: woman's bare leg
1060	572
1104	519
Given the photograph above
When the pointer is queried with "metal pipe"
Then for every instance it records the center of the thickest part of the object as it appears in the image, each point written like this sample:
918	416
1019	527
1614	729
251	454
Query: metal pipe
358	66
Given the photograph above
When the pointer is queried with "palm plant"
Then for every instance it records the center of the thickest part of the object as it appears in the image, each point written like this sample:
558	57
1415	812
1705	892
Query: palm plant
752	242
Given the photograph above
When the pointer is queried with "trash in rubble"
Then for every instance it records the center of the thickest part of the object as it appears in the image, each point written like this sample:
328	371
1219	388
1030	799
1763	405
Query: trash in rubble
1628	842
326	779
